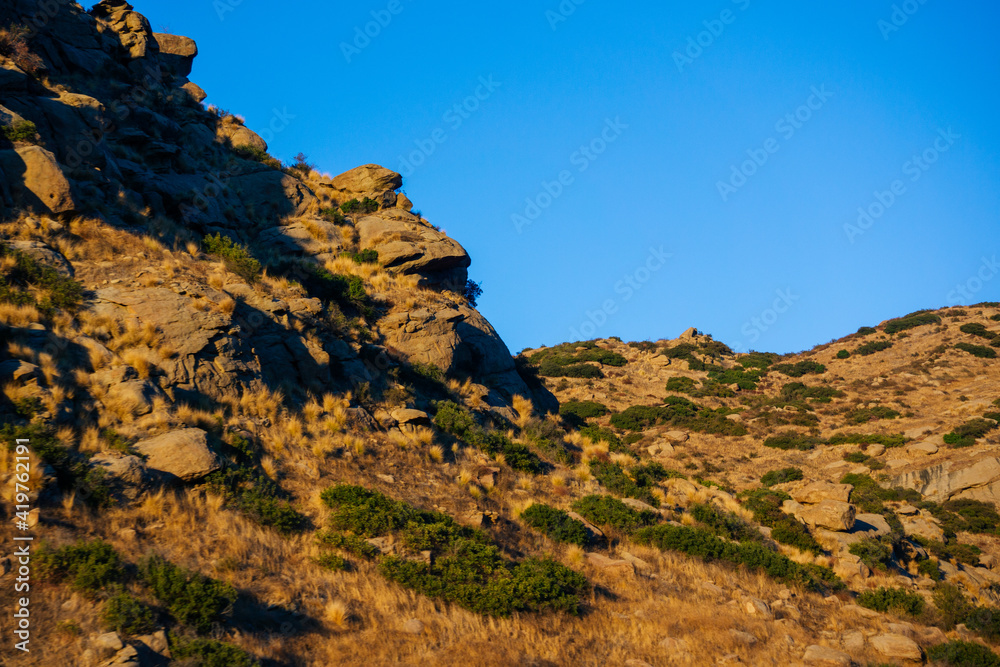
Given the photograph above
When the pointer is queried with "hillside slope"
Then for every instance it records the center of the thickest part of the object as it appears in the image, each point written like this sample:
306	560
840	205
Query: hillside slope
268	426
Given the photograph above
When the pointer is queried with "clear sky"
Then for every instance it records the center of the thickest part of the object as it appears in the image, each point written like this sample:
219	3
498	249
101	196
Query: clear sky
673	164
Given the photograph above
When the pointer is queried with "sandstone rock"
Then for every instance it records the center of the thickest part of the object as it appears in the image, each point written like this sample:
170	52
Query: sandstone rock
817	492
848	566
756	607
156	642
742	637
19	372
660	449
195	91
595	532
176	52
922	525
875	450
832	514
274	191
110	640
46	255
125	471
408	416
917	432
897	647
134	397
610	565
37	180
638	505
923	449
236	134
368	179
853	640
310	236
978	480
183	454
676	436
823	656
689	333
873	524
414	248
12	79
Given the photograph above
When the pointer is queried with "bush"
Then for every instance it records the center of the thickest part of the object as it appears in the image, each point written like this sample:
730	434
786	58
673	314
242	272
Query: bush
348	291
457	421
683	385
580	411
967	434
556	524
873	553
980	351
766	507
237	257
333	562
864	415
796	392
23	130
190	597
210	653
333	215
888	441
258	497
869	496
958	653
681	413
709	547
14	45
911	321
781	476
472	292
725	524
22	272
127	615
614	478
365	512
761	360
929	568
843	354
976	329
896	600
793	440
801	368
867	331
871	348
367	205
607	511
366	256
349	543
89	567
257	155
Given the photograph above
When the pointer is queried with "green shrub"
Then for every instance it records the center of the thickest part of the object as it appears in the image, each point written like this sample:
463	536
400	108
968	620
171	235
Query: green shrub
929	568
796	392
865	415
867	331
958	653
888	441
895	600
367	205
580	411
607	511
793	440
237	257
855	457
980	351
258	497
210	653
781	476
967	434
23	273
127	615
871	348
349	543
614	478
89	567
365	512
801	368
556	524
995	416
333	562
333	215
724	524
348	291
869	496
683	385
911	321
428	371
744	379
976	329
366	256
679	412
872	552
761	360
257	155
996	318
192	598
843	354
704	544
571	360
598	434
22	130
766	507
472	291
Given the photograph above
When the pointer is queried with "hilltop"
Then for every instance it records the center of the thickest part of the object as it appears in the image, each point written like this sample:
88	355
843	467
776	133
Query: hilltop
269	426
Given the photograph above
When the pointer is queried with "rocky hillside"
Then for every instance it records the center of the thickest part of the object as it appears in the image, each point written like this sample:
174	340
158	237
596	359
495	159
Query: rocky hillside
268	426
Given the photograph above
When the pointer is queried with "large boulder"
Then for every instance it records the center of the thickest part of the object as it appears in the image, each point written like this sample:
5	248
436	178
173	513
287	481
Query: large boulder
414	247
127	473
832	514
176	52
237	134
824	656
183	454
817	492
36	179
369	180
975	479
897	647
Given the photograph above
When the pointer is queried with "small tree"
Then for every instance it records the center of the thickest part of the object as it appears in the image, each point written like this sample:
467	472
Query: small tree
472	292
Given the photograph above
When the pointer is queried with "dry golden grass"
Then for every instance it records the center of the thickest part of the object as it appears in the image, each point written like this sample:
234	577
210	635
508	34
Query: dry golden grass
18	316
227	306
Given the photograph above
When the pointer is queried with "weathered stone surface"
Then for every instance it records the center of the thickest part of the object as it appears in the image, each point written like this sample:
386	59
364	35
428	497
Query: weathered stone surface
176	52
127	472
922	525
975	479
36	179
897	647
409	416
183	454
275	192
19	372
610	565
238	134
923	449
416	248
817	492
134	397
46	255
832	514
368	179
309	236
824	656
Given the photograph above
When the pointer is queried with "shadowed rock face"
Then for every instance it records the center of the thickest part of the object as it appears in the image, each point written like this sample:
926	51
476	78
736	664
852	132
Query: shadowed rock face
411	246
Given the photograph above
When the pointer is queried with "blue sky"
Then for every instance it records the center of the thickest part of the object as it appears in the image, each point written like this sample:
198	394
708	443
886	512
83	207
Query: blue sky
700	165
